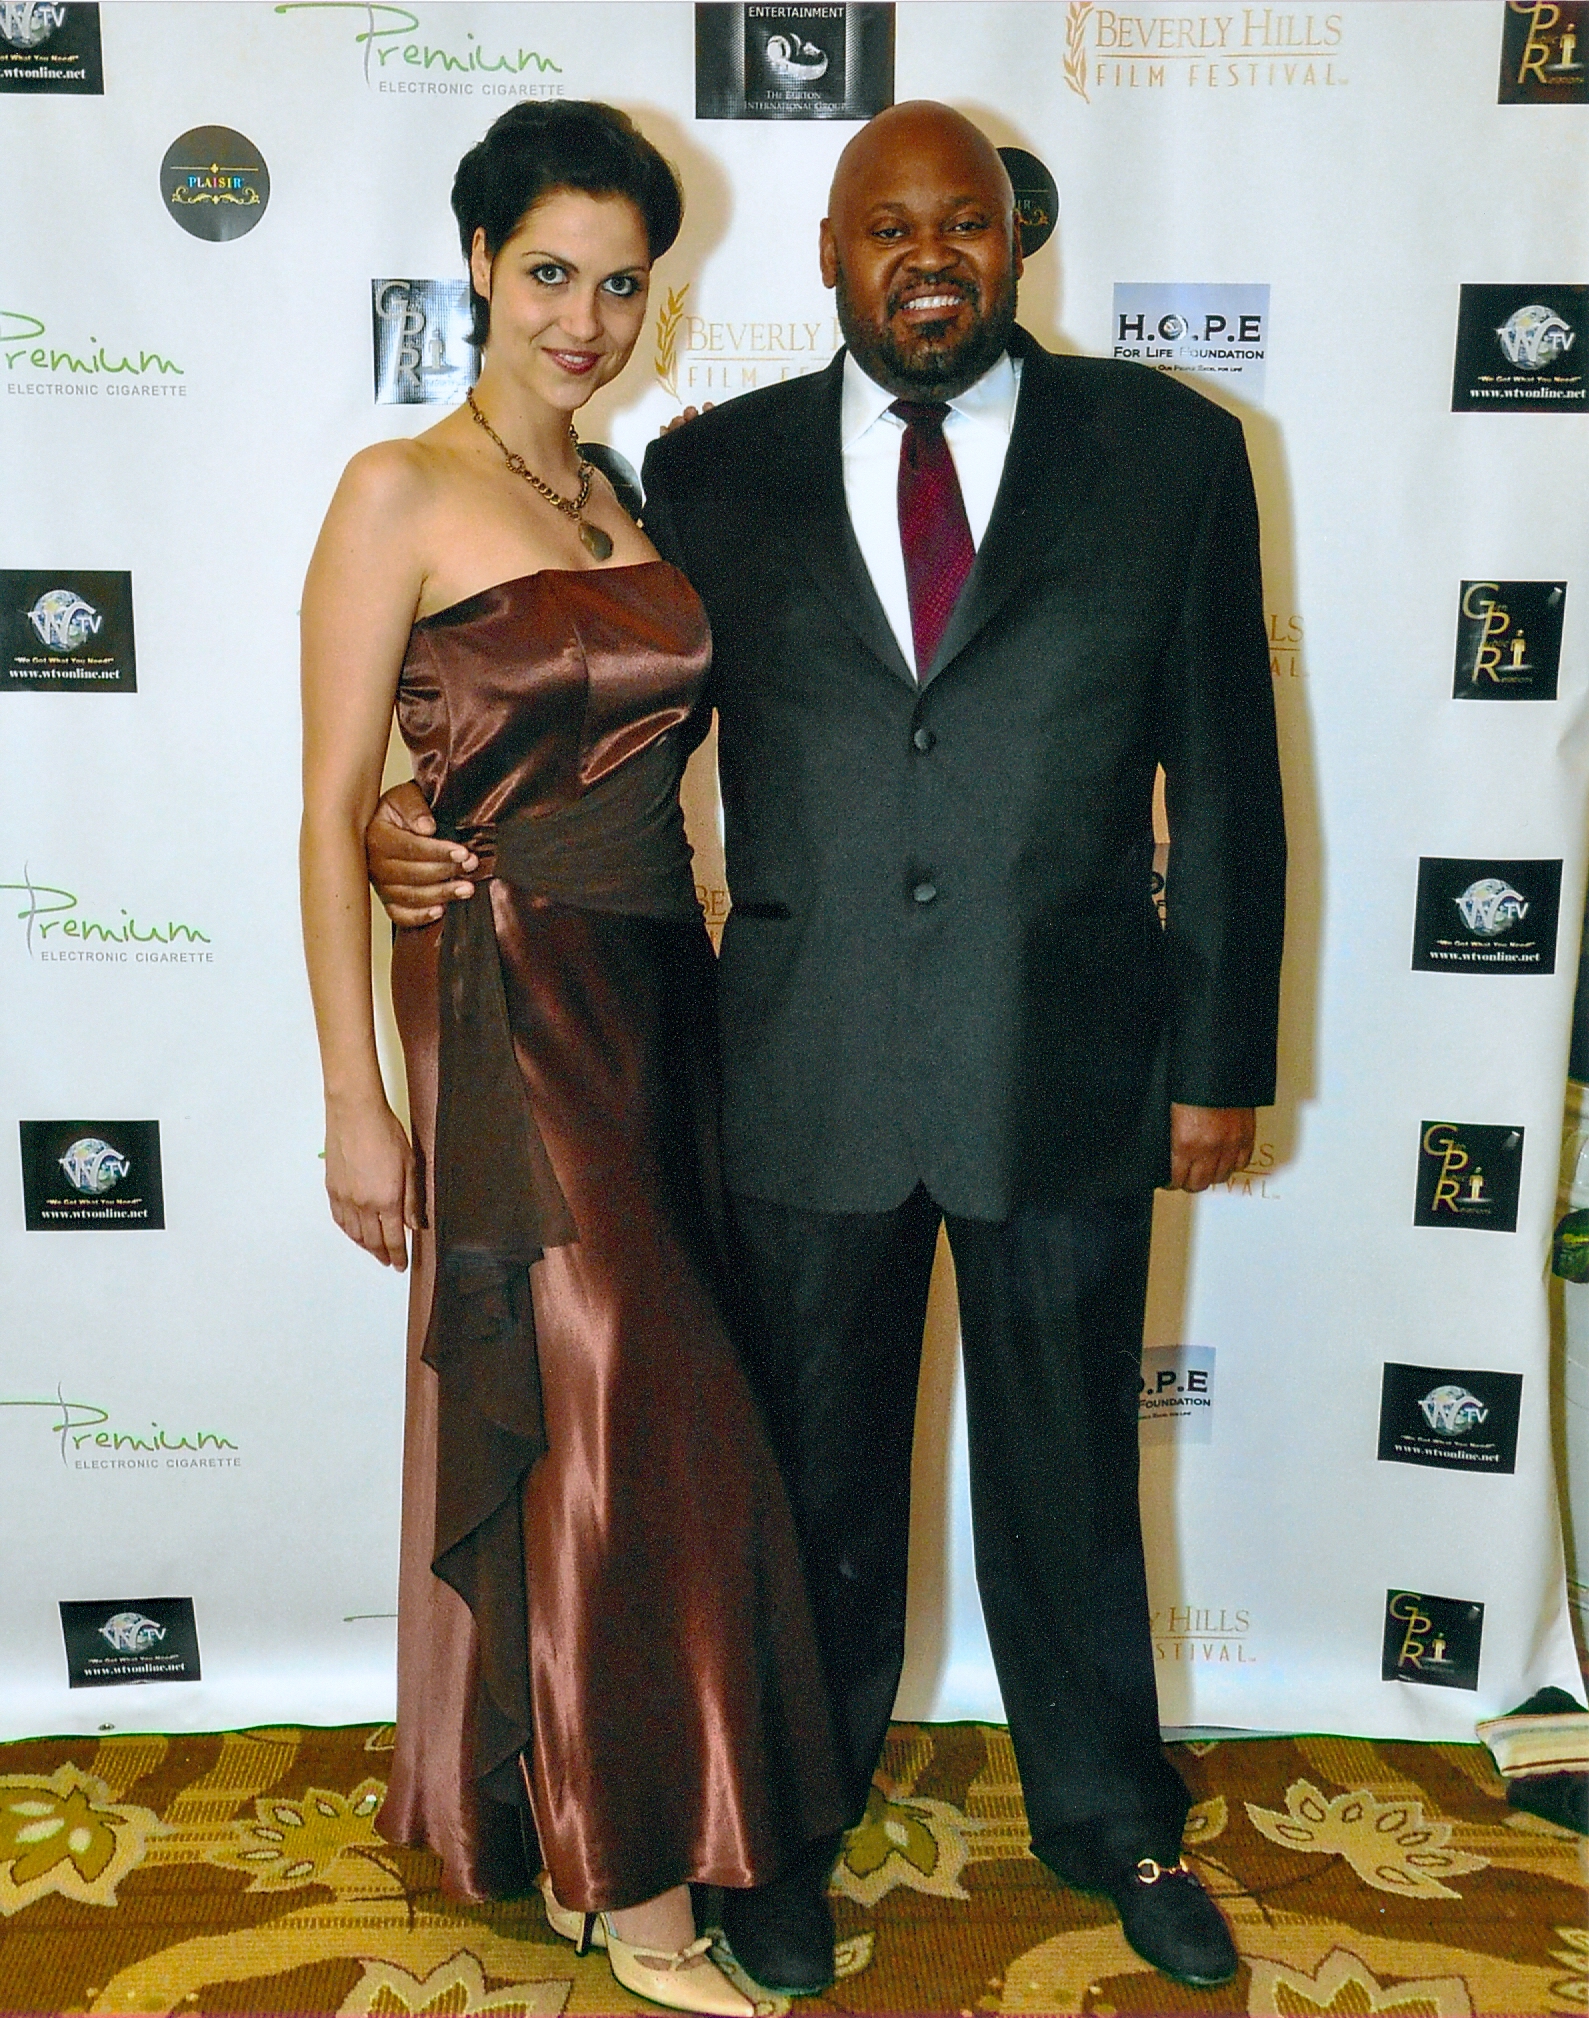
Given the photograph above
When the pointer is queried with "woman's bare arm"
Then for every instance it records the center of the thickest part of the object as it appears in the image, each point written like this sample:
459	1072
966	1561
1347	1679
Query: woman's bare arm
358	605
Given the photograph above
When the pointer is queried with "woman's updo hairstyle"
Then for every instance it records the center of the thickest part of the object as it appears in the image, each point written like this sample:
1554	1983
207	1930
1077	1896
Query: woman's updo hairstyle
545	145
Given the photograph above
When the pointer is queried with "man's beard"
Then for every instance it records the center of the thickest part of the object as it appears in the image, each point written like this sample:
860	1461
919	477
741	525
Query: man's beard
931	368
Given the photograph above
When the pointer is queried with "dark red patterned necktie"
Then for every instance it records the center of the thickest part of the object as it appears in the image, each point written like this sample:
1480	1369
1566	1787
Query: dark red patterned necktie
934	532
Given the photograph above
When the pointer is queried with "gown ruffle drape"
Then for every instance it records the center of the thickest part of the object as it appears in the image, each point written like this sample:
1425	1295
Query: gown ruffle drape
601	1614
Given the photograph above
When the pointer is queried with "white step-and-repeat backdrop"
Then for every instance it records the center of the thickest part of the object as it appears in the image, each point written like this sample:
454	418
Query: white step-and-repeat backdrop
227	261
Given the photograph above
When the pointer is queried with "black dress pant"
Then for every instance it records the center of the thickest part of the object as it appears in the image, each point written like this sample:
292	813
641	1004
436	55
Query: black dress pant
1051	1309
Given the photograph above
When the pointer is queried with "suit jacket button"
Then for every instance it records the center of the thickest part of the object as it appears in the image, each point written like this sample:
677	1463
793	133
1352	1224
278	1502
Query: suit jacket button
924	740
924	893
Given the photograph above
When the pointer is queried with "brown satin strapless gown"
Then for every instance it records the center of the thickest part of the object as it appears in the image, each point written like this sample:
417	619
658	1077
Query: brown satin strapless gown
638	1668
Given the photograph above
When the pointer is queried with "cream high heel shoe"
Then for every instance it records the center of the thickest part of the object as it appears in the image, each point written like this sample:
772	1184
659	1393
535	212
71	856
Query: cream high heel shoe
686	1981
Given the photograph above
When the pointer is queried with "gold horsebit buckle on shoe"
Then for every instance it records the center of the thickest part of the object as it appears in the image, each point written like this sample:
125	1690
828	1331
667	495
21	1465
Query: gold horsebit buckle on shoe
1148	1870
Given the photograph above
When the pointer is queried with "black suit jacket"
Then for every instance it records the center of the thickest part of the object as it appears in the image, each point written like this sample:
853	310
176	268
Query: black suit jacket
943	963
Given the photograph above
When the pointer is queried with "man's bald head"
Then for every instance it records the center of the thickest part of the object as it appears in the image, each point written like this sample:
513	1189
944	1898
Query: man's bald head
903	139
920	244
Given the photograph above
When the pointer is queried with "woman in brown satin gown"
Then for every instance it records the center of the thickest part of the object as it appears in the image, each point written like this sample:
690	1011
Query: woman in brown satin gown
603	1643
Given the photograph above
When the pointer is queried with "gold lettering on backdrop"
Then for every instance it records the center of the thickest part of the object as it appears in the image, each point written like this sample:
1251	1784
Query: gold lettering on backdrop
1404	1608
1110	47
1450	1189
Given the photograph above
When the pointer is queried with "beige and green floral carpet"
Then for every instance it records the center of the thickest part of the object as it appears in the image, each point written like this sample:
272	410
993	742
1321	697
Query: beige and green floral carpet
241	1874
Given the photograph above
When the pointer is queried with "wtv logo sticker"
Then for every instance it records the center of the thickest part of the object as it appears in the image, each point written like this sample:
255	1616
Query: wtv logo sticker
1452	1418
1486	917
119	1640
1509	641
1468	1175
101	1176
1521	349
1435	1641
66	632
51	46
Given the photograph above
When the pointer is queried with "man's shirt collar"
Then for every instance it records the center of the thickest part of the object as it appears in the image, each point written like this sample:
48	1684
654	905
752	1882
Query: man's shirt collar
990	402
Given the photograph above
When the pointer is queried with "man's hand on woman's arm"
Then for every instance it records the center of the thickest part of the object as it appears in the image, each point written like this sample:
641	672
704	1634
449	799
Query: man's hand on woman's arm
415	875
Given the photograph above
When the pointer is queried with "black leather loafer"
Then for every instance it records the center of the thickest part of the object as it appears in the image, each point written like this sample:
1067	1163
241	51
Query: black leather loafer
1171	1922
782	1934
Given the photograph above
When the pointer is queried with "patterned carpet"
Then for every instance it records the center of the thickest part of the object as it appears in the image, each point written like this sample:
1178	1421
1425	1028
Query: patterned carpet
240	1874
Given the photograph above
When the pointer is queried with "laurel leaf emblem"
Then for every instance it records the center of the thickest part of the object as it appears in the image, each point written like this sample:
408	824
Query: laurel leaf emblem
1076	47
668	321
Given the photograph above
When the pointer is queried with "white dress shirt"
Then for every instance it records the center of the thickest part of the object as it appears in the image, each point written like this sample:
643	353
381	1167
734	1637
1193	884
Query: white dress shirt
978	433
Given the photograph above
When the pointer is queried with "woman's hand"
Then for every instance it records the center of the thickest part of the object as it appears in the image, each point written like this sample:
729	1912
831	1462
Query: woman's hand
370	1180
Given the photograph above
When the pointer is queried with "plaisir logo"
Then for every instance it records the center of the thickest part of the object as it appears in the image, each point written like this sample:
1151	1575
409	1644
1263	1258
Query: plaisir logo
423	356
50	46
1542	53
1450	1418
118	1640
1435	1641
403	56
1197	329
1509	641
1486	917
825	59
1469	1174
215	183
1521	348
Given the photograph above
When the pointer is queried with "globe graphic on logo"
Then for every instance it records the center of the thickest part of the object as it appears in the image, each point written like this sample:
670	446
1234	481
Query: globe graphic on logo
93	1166
1451	1410
1490	907
131	1633
1535	336
63	621
27	23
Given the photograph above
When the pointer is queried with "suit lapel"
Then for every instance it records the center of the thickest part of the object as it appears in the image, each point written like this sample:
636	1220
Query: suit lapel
1052	464
819	519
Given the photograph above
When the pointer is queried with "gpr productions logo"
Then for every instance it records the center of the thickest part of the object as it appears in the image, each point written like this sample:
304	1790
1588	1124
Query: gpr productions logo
1542	53
1245	48
57	932
66	632
1521	349
709	357
1486	917
1468	1175
101	1176
1175	1395
1431	1640
1203	1635
423	356
215	183
90	1439
39	365
1509	641
1195	329
405	56
818	61
47	45
1452	1418
118	1640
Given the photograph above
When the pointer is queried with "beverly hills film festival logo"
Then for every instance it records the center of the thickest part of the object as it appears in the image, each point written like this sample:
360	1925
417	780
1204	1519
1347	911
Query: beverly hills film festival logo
1542	53
1486	917
92	1176
1509	641
1195	329
1175	1394
66	631
214	182
817	61
1241	48
1431	1640
1468	1176
114	1641
1451	1418
423	356
1521	349
47	45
